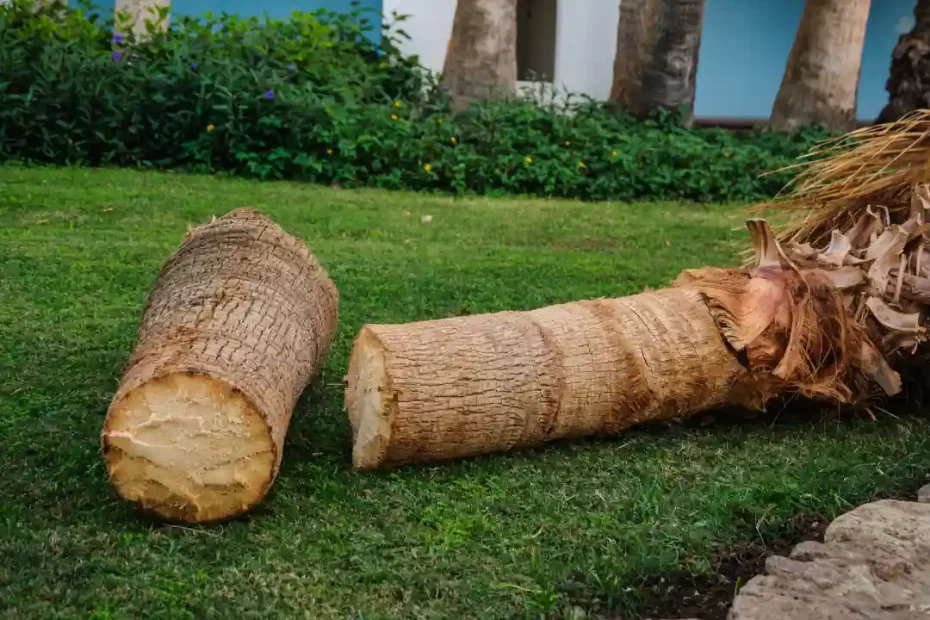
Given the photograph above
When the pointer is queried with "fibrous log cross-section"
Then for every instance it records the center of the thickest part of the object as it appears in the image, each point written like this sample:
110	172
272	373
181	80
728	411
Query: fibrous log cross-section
241	317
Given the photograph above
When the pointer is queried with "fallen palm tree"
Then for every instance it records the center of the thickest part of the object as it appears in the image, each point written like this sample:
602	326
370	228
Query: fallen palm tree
241	317
831	310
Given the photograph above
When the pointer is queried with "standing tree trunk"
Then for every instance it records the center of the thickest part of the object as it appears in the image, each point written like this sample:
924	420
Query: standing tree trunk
908	82
481	60
658	42
821	78
241	317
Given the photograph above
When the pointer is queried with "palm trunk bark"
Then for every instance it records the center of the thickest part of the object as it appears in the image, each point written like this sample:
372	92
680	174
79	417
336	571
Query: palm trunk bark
451	388
822	74
908	82
655	66
240	319
481	60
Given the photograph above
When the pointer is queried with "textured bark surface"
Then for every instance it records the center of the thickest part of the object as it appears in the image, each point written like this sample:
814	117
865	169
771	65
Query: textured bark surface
241	317
908	82
487	383
822	74
481	60
874	563
656	62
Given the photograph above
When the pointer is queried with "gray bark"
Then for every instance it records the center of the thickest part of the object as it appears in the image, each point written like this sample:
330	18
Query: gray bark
658	43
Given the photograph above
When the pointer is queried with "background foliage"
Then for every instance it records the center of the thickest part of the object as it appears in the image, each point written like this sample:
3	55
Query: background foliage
312	98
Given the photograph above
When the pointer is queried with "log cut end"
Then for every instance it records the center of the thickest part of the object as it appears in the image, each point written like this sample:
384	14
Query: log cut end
188	448
368	401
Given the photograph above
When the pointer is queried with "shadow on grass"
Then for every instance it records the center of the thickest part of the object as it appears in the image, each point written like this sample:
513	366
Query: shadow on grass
787	414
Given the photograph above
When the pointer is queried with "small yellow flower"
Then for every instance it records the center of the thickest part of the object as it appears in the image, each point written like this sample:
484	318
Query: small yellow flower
567	143
728	155
397	103
393	117
211	127
581	164
453	140
613	153
427	167
574	152
441	120
528	159
329	151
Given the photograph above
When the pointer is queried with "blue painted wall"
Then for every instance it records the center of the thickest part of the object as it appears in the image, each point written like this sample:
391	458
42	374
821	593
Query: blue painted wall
745	45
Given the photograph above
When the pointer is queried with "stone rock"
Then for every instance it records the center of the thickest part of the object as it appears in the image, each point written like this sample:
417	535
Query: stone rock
923	494
874	564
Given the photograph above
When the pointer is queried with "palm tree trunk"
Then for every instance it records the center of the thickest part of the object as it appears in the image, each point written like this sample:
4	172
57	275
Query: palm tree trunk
481	61
822	75
908	83
657	55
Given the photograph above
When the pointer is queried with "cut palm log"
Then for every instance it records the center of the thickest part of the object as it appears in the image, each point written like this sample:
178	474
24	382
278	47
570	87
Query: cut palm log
836	308
486	383
241	317
464	386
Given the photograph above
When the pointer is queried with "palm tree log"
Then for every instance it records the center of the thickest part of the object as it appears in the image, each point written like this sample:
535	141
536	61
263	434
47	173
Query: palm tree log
487	383
464	386
241	316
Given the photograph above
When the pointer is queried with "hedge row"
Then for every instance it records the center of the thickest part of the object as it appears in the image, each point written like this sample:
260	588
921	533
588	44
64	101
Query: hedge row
312	98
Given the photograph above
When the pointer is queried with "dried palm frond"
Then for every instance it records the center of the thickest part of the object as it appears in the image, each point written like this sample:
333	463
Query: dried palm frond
840	178
860	206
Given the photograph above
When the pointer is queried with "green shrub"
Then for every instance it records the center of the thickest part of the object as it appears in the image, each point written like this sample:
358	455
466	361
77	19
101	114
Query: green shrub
312	98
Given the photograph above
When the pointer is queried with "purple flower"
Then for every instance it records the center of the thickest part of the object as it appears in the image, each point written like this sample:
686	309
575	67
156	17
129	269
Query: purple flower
291	68
117	38
269	95
194	66
116	56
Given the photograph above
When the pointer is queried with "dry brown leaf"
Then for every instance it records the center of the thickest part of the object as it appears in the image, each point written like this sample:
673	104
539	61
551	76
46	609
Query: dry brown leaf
879	272
885	241
892	319
866	226
844	277
836	252
768	251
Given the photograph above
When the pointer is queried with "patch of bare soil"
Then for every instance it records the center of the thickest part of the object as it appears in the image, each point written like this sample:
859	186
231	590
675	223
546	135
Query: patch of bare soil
708	597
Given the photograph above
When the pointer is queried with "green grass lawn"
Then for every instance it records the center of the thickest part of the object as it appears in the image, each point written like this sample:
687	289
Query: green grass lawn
541	531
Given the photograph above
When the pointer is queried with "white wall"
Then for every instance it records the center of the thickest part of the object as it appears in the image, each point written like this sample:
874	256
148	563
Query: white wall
429	26
586	38
586	42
